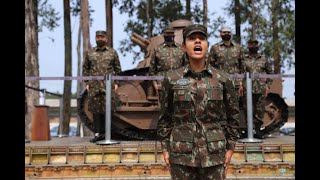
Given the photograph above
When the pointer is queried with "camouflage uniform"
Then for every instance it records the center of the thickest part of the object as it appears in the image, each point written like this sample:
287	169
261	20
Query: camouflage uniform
257	65
227	58
99	62
166	58
199	121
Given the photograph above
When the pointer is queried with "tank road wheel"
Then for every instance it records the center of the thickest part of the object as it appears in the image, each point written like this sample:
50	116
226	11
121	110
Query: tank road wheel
275	116
276	113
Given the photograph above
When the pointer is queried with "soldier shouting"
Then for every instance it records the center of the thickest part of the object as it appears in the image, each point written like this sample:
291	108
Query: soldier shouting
199	119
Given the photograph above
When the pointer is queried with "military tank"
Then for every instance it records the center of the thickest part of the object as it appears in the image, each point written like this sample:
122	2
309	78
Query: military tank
135	115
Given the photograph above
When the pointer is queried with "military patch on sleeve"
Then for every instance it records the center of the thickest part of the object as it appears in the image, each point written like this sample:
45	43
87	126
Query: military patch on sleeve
183	82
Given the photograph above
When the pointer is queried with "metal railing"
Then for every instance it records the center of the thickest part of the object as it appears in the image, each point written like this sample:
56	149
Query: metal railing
108	78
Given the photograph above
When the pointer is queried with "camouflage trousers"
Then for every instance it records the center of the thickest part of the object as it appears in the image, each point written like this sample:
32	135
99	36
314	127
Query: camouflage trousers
180	172
97	102
257	108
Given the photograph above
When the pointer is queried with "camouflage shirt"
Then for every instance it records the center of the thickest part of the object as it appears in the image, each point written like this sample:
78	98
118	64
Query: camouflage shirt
258	65
199	116
227	58
166	58
99	62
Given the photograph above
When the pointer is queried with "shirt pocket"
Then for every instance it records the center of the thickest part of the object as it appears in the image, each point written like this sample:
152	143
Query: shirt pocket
216	140
182	139
182	103
215	102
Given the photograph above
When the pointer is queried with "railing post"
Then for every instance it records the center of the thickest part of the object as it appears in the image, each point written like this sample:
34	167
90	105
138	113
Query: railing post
249	112
108	114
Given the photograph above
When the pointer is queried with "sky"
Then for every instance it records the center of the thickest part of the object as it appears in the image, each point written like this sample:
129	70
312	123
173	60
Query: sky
51	44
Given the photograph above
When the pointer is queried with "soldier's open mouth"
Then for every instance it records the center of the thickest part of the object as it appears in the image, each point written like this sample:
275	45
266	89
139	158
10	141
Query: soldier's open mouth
197	49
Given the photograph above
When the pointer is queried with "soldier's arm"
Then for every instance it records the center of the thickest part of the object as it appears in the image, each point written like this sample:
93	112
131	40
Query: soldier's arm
241	66
241	61
153	69
231	128
164	123
116	63
86	67
116	68
153	64
268	70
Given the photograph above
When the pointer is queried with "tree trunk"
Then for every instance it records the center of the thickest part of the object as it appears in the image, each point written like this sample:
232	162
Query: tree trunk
85	26
205	13
109	22
237	20
275	36
149	19
85	40
188	9
253	20
67	68
31	61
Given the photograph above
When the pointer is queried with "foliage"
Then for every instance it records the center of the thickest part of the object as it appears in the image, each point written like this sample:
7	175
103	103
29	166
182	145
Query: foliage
263	13
161	13
76	9
48	15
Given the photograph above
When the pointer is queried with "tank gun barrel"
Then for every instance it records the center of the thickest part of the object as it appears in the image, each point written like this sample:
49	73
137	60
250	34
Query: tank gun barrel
139	40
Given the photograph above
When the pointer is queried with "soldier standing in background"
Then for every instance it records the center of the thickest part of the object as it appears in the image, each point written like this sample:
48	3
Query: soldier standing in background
199	119
99	61
166	57
227	56
256	63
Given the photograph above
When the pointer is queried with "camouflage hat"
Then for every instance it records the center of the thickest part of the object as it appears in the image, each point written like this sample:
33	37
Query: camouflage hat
168	30
187	31
253	41
101	33
225	28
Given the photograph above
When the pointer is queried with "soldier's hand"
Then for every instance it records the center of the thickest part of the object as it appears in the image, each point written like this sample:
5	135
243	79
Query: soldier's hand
240	91
87	87
166	158
115	87
155	85
227	160
267	90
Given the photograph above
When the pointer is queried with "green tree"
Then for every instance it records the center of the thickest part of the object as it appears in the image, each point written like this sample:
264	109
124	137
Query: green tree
152	17
273	24
48	16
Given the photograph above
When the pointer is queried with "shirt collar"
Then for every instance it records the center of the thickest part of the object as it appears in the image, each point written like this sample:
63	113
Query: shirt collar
173	44
187	71
232	43
101	49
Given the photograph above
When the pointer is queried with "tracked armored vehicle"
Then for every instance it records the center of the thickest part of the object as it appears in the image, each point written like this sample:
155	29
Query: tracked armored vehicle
135	116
